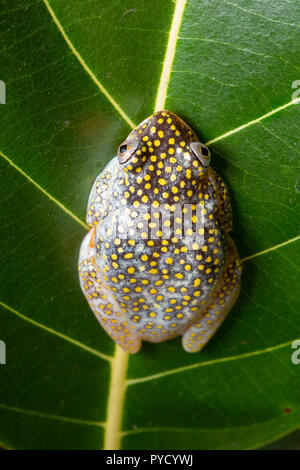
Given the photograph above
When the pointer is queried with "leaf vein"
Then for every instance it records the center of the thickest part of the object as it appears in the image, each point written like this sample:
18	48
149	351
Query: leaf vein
207	363
250	123
50	416
272	248
57	333
86	67
38	186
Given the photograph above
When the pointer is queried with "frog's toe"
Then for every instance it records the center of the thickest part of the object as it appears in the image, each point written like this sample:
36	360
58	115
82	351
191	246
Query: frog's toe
196	337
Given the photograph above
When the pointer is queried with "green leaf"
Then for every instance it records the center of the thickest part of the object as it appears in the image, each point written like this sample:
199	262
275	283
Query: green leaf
78	75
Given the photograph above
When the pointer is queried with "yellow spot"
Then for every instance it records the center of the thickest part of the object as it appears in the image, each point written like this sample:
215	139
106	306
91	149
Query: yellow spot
179	276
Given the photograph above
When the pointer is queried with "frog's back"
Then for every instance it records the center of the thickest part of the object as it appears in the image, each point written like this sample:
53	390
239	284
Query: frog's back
161	260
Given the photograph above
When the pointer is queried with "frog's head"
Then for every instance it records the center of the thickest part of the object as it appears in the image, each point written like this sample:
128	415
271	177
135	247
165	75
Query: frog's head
165	152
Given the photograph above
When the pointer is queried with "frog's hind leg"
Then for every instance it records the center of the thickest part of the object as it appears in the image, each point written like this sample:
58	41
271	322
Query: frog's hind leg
198	334
101	299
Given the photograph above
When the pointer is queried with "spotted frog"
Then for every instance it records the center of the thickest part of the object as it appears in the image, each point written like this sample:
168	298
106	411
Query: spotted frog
158	261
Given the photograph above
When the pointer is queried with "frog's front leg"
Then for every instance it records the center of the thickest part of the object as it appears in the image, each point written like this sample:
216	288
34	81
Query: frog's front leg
198	334
102	301
101	193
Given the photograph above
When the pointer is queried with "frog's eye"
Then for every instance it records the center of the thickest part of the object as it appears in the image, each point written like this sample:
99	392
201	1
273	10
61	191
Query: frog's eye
202	152
126	149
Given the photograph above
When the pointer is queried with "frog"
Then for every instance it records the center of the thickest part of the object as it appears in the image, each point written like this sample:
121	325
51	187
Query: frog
158	260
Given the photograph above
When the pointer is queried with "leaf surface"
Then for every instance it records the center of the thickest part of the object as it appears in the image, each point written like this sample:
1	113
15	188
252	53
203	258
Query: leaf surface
78	75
